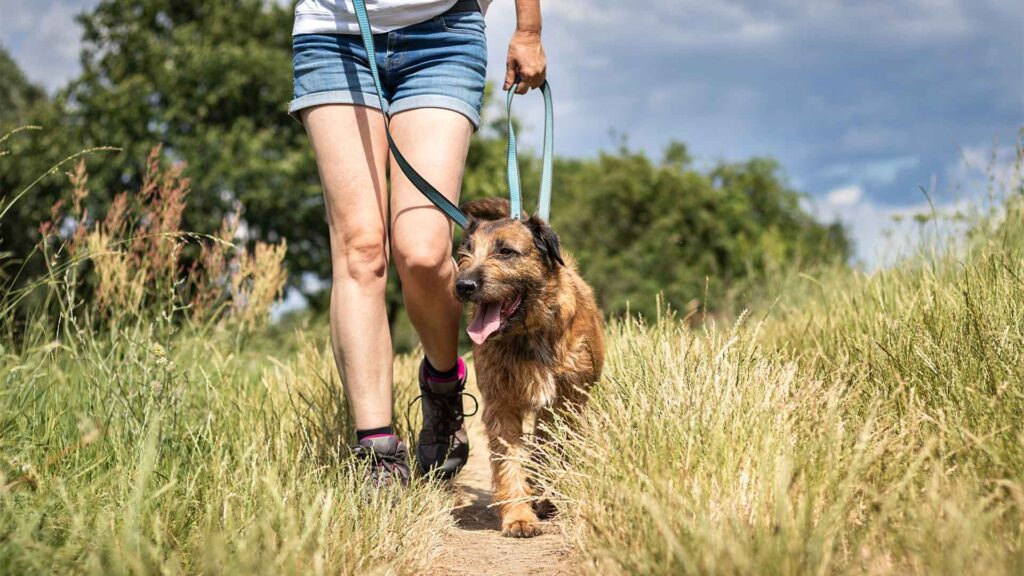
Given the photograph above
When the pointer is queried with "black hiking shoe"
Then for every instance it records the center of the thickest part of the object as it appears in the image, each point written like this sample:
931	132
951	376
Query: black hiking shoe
443	448
386	459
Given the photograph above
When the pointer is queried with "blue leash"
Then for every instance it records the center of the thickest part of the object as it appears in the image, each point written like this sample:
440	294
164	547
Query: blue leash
514	193
451	210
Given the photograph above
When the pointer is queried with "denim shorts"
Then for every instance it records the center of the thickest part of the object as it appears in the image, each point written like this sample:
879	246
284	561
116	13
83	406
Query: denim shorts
440	63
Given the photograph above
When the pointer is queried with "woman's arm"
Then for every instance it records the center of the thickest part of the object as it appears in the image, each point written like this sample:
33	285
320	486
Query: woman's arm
525	53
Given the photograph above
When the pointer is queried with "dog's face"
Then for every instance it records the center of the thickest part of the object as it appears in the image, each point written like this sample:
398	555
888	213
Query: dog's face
502	264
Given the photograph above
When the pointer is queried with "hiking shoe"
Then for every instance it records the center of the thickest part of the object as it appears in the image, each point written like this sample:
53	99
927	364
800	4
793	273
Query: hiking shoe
443	448
386	458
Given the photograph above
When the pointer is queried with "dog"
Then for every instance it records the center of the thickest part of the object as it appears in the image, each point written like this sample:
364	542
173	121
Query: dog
538	341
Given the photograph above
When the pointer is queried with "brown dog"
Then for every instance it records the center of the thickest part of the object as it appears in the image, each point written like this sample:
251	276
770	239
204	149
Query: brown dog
538	342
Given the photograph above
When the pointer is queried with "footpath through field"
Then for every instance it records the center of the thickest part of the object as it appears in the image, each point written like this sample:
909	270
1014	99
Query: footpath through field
476	545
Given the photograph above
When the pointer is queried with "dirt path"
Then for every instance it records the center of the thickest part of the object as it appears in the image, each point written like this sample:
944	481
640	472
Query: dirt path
476	546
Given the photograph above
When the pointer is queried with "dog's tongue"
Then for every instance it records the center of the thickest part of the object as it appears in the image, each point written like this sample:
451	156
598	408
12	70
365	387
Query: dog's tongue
486	321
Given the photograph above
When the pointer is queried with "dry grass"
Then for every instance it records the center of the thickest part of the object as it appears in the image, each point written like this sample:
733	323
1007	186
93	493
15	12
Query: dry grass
152	422
135	453
873	428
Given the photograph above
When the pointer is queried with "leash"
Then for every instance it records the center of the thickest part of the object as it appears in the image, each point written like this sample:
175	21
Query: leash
445	205
514	193
426	188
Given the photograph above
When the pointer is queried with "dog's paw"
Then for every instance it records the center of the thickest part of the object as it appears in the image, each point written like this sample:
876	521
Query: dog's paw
521	529
544	509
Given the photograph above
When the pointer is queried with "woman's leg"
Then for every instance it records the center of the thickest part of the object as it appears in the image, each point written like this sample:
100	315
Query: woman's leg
351	154
435	141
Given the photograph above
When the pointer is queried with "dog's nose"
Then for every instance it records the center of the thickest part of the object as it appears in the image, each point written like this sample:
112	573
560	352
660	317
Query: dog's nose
465	287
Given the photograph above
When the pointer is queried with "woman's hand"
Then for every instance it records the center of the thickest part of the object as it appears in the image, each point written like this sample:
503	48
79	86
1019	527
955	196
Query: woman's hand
526	60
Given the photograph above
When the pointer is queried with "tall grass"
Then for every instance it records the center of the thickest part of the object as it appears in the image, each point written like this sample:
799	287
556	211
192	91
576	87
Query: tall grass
150	421
875	427
191	456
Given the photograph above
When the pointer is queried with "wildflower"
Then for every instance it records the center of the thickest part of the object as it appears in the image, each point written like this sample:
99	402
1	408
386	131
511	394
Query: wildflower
159	352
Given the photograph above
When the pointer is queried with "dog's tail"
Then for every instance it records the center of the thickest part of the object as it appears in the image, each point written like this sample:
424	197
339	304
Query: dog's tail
488	209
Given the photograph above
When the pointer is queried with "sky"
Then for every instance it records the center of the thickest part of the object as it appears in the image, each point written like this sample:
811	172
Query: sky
863	103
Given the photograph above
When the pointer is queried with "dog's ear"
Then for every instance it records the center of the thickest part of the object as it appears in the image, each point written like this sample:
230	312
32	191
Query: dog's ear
468	232
487	208
546	241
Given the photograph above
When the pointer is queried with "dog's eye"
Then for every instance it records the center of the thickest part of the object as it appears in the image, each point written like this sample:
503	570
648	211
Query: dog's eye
507	253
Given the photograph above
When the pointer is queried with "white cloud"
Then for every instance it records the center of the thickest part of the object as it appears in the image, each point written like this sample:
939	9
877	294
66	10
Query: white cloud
831	89
44	38
882	234
737	24
882	171
985	170
675	22
844	195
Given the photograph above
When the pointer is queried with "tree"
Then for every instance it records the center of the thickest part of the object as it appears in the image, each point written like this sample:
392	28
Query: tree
640	228
17	94
22	104
210	81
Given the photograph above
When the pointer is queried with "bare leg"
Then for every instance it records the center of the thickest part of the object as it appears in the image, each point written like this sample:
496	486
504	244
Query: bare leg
435	141
351	155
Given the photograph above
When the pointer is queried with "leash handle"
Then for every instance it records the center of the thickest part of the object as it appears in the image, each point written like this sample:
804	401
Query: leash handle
514	189
444	204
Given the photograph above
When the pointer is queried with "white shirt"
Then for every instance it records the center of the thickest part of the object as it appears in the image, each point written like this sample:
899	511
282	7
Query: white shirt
339	17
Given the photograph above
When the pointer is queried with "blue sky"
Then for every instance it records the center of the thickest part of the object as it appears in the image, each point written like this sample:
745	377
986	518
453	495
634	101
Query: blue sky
862	102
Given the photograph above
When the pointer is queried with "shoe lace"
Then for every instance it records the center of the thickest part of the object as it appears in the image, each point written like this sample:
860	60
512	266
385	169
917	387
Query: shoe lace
448	408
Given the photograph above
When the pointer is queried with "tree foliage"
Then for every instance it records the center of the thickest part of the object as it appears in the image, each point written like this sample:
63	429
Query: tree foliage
211	80
17	94
639	227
